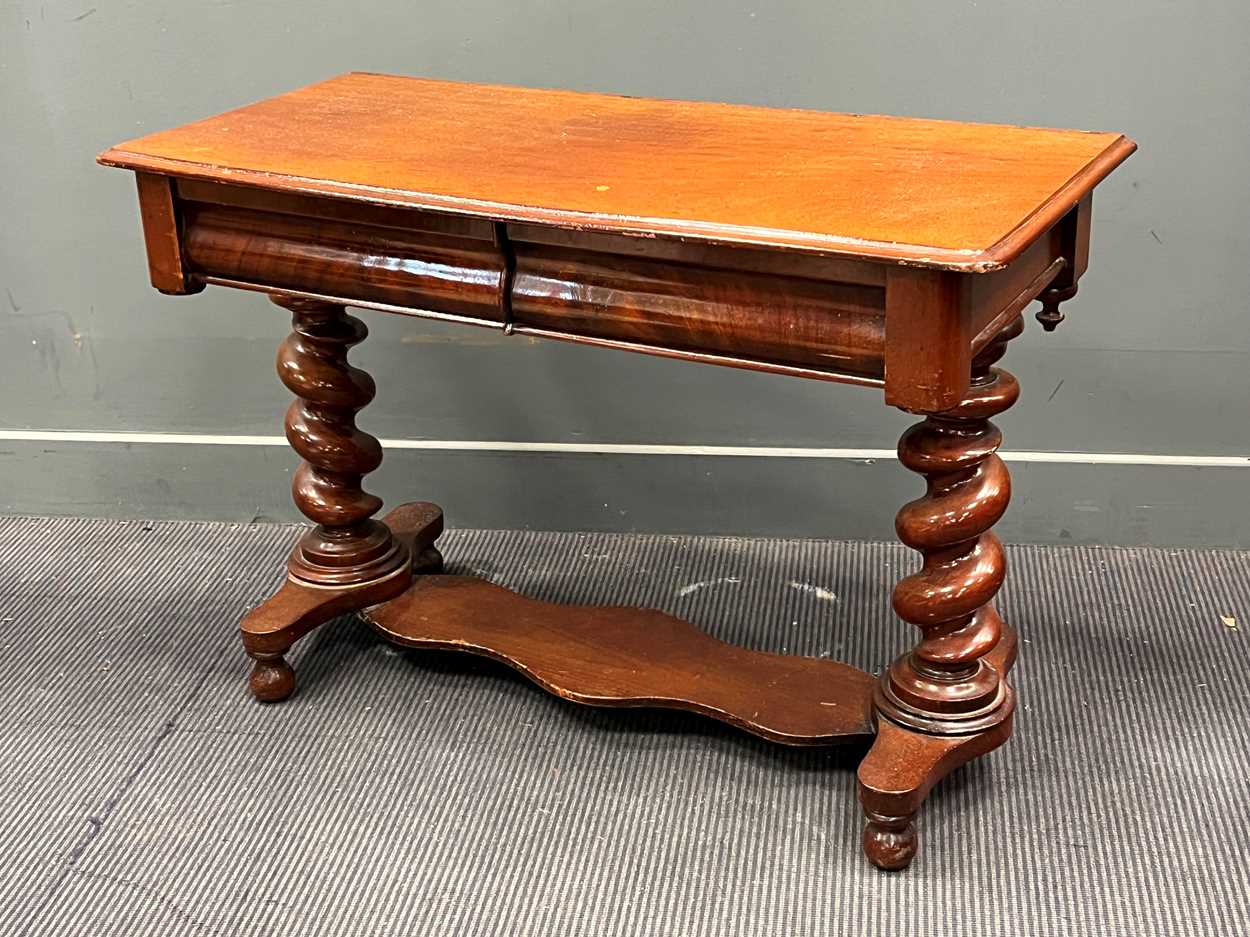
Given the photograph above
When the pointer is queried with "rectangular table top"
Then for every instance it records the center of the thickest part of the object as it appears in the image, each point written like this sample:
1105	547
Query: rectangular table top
941	194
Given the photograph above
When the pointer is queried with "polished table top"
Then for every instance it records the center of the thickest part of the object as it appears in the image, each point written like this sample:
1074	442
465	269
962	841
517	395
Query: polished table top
939	194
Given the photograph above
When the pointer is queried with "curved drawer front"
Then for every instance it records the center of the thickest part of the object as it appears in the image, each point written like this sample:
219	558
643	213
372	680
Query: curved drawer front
427	270
787	320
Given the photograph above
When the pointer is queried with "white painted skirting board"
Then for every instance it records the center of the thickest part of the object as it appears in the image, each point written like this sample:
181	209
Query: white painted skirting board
474	445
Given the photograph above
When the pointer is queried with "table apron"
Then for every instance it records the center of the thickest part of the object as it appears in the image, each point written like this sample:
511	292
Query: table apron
910	330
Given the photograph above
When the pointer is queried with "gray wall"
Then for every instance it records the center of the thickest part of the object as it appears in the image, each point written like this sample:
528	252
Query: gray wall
1152	360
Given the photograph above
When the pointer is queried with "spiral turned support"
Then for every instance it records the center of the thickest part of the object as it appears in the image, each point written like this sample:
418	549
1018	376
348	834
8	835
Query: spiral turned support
945	685
947	700
347	547
348	560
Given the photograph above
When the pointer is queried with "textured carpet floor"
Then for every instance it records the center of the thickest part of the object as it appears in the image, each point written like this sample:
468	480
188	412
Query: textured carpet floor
401	793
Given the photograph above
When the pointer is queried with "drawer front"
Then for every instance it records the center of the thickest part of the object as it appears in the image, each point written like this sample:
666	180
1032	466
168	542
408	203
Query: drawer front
427	265
773	319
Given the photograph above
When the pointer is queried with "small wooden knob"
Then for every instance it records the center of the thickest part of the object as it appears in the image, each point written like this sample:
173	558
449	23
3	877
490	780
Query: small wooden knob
1050	316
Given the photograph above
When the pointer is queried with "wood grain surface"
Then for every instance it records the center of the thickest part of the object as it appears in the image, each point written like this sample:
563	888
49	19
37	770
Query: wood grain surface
634	657
940	194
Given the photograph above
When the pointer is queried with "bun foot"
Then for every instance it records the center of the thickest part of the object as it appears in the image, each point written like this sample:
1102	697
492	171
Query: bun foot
429	561
889	842
272	680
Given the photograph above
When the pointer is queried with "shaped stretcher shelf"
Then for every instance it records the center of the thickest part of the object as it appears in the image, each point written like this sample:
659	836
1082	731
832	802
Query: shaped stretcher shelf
625	657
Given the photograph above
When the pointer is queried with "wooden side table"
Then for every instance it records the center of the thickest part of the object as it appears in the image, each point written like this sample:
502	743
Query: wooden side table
891	253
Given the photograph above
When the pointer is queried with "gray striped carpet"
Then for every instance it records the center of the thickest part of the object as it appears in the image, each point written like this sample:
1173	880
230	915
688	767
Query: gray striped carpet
418	793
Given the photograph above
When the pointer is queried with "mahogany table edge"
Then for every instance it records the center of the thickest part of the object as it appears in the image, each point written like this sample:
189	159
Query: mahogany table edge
997	256
927	330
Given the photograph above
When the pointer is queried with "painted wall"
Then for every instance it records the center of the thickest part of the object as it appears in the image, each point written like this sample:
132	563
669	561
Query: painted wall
1152	362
